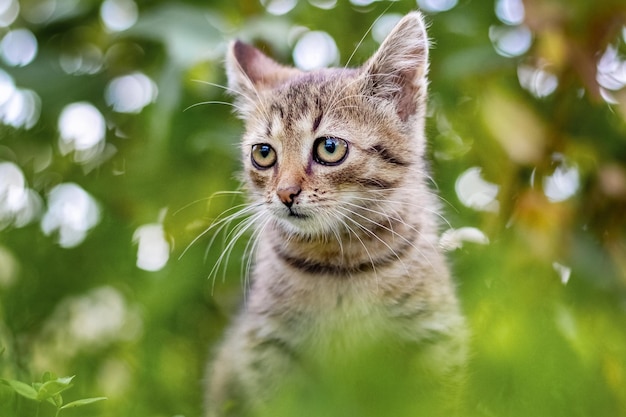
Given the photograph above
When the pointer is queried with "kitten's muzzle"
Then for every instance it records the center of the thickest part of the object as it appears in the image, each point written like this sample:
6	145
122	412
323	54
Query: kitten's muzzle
288	194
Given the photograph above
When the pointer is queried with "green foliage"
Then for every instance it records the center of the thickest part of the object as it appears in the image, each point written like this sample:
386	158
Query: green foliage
527	137
47	391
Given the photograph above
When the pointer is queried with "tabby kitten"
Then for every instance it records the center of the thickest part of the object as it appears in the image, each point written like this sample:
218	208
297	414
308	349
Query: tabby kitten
351	300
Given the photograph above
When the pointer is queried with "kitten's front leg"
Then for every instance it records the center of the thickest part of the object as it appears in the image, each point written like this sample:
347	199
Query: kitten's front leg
251	366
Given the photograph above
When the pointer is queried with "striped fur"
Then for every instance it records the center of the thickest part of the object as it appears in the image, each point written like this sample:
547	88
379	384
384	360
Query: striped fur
346	258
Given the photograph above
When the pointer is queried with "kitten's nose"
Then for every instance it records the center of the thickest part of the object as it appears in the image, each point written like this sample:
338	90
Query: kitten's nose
288	194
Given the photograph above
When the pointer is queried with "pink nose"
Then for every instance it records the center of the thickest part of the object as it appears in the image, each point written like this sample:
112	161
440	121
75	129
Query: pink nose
288	194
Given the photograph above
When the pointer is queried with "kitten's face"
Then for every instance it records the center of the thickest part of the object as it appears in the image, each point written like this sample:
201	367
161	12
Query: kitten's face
322	150
319	155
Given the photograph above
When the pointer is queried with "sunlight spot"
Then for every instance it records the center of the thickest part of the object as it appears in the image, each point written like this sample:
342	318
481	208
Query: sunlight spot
564	272
82	130
383	26
279	7
540	83
563	183
474	192
9	10
435	6
324	4
72	212
130	93
453	239
510	12
19	205
153	250
118	15
510	41
315	50
19	47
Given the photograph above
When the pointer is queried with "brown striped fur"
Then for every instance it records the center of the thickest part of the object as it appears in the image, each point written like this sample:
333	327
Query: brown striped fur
347	260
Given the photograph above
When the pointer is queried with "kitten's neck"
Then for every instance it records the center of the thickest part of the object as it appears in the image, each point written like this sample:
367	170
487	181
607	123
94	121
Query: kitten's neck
349	251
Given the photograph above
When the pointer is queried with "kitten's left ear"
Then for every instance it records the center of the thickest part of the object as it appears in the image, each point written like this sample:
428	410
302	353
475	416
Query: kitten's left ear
250	71
397	71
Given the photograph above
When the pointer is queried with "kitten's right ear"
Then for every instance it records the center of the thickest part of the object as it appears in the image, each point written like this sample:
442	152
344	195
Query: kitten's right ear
250	71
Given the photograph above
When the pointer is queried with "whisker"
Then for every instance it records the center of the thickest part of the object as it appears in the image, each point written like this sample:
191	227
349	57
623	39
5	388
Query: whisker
366	33
216	194
226	103
233	237
389	229
220	222
371	233
351	230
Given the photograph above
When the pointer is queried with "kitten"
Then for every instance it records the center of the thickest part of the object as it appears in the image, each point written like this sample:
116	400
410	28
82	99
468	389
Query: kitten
351	299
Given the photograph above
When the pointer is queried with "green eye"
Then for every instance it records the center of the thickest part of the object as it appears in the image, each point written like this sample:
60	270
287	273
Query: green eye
330	151
263	156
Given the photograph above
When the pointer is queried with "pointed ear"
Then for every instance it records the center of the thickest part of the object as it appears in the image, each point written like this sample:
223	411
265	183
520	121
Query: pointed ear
397	71
250	71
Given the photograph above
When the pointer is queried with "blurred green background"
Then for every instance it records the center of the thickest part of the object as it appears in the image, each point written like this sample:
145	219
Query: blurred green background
107	165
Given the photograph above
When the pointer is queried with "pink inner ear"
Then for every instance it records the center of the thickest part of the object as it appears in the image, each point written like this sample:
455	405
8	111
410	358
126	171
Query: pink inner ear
250	60
259	68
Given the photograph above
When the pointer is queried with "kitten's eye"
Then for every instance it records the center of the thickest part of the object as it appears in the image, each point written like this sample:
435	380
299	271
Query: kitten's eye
330	151
263	156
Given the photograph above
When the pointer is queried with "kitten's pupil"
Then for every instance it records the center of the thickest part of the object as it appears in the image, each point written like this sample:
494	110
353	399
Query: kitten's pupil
329	145
265	151
330	150
263	156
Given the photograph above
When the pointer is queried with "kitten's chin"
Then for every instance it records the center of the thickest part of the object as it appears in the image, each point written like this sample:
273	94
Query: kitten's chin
299	224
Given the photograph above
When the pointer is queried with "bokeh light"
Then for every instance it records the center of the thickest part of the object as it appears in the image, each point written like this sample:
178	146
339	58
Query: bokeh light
564	181
39	11
510	12
538	81
315	50
511	41
19	108
88	59
82	130
324	4
130	93
9	10
19	205
71	213
436	6
153	249
119	15
279	7
475	192
383	26
18	47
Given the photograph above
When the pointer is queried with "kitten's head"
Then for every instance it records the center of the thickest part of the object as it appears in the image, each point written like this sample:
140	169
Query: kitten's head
324	149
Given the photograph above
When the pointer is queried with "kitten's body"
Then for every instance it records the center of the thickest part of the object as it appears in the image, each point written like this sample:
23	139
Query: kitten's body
347	274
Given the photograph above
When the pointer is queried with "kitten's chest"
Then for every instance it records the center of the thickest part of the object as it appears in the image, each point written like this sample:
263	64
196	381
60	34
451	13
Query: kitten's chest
336	317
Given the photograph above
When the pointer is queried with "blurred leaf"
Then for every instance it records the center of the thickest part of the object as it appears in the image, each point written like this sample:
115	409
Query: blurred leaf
80	403
23	389
54	387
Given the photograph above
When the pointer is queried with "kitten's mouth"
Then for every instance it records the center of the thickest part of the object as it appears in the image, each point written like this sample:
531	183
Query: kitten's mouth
295	214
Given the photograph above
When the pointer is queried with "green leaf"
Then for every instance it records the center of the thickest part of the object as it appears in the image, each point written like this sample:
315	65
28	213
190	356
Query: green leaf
79	403
56	400
54	387
23	389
